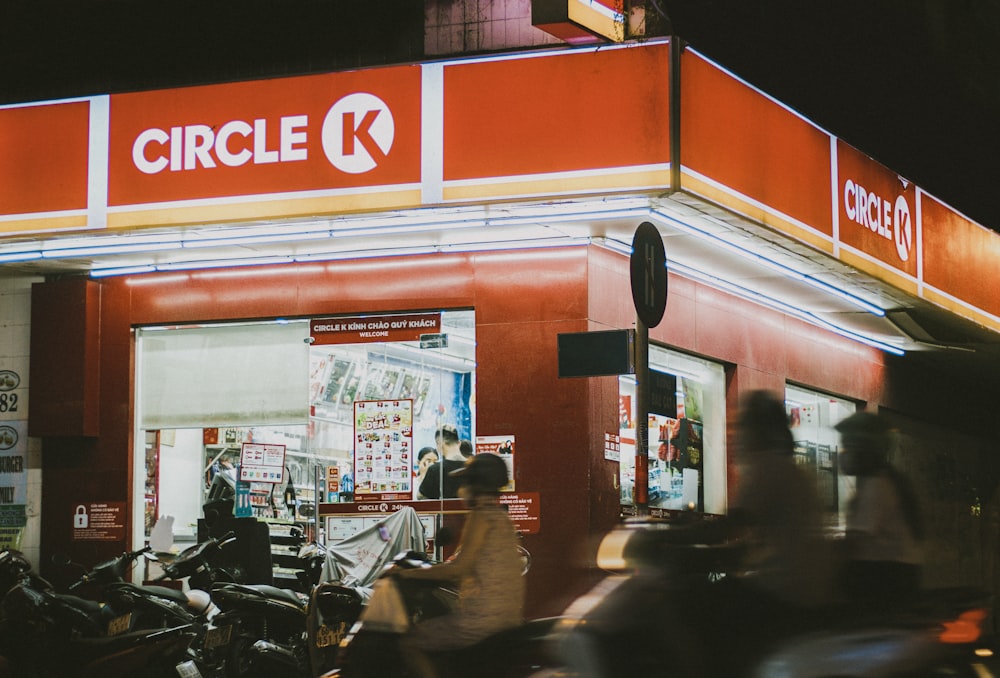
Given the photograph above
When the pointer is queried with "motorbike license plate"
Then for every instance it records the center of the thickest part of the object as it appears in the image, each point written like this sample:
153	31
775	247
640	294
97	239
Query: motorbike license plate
188	670
217	637
327	636
119	625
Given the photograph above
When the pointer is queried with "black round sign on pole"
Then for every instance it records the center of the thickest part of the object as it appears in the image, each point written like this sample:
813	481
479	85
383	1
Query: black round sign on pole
648	268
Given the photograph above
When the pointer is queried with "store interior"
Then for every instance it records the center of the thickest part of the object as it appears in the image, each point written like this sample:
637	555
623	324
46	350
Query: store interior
308	419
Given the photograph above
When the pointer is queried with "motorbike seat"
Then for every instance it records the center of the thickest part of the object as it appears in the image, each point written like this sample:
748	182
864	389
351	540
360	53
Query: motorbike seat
265	591
166	592
334	598
91	608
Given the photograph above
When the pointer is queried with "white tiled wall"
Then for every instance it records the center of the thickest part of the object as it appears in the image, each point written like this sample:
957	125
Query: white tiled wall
458	26
15	340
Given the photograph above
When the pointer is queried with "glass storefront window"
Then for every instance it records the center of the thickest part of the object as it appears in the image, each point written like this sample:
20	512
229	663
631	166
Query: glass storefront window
687	451
316	405
812	416
374	407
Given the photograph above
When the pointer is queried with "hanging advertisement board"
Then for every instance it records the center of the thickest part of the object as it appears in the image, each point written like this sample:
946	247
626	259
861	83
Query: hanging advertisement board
383	450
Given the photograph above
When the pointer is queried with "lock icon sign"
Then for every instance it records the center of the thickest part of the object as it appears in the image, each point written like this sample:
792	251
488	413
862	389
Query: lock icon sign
80	518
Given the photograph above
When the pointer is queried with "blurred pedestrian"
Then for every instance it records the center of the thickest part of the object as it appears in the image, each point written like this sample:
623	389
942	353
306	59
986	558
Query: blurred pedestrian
882	547
785	574
777	508
487	569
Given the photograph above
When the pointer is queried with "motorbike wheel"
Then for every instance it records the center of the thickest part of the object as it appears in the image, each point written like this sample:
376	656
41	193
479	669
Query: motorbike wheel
239	662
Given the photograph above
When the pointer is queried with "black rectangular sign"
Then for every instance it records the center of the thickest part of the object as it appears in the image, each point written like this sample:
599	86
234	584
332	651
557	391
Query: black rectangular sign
596	354
662	394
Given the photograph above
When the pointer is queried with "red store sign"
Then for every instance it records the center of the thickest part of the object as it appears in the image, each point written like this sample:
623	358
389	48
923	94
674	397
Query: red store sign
376	328
877	211
311	133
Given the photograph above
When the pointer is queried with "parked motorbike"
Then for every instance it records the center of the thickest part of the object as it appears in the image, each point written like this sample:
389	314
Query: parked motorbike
644	619
311	557
150	606
281	632
202	565
43	634
371	649
157	607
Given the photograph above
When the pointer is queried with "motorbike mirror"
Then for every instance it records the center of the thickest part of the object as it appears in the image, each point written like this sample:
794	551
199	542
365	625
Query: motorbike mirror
149	555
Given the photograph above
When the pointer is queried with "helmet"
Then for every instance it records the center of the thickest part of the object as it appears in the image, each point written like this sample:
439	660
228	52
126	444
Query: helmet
866	430
866	439
483	473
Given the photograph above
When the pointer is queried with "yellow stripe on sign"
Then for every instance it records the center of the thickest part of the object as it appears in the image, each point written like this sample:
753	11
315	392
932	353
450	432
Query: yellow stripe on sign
550	186
883	272
42	224
182	215
961	309
736	202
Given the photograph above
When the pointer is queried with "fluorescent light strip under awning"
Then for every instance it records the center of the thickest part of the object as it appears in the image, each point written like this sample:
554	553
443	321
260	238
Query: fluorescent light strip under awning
778	267
770	302
339	255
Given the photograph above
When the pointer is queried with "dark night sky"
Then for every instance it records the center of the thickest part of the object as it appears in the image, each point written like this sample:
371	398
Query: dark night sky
913	83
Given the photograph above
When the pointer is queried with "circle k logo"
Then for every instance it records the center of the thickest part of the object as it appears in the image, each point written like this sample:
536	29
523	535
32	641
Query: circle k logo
888	218
358	132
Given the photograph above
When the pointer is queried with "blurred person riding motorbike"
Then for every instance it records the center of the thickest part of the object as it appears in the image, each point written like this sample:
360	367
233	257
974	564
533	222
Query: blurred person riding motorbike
882	547
486	567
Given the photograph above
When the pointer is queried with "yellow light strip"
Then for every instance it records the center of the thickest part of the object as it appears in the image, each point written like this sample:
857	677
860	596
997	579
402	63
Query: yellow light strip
548	185
289	208
696	186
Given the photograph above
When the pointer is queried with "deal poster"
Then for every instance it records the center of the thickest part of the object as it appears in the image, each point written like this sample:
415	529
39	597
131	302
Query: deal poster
383	450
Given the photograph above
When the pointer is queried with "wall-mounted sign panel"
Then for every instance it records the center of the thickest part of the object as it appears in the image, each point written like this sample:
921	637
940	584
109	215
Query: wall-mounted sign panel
367	329
580	22
315	140
558	124
877	216
594	354
569	122
43	166
960	260
745	150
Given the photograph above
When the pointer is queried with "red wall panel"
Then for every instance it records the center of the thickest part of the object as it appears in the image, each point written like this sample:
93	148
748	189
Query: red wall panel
65	391
522	301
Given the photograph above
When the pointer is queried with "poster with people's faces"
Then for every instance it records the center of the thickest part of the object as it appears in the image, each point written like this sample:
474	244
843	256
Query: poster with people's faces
502	446
383	450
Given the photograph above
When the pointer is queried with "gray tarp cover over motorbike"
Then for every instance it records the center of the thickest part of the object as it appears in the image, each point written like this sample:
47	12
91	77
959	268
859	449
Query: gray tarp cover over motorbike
358	560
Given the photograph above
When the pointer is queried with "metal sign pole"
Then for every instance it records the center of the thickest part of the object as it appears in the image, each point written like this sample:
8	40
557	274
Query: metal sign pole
648	273
641	487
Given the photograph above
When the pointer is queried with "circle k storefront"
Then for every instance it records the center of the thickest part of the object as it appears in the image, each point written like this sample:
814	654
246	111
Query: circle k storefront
303	279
